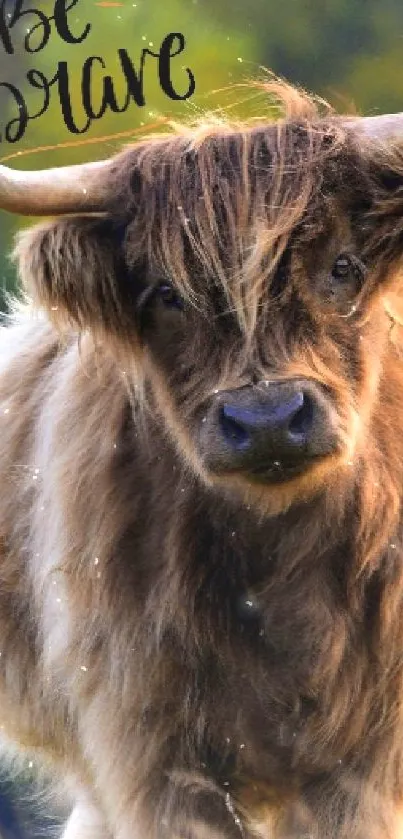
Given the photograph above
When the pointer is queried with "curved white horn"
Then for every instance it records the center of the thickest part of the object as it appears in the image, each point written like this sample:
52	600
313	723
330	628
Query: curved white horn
383	127
67	189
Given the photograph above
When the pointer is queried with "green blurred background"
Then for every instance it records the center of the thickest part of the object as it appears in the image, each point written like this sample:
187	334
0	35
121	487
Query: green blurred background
349	51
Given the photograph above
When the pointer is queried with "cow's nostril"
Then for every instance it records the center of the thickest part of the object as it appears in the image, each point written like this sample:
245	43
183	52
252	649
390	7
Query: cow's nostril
234	432
301	422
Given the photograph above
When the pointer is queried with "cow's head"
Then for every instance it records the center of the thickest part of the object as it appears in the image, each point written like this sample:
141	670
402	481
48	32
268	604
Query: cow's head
244	270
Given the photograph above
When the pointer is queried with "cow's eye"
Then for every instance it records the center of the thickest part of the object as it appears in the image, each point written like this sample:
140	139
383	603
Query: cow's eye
169	297
347	277
343	268
154	297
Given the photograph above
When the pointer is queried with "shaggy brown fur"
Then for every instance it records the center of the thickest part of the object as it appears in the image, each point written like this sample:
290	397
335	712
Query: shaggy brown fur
206	657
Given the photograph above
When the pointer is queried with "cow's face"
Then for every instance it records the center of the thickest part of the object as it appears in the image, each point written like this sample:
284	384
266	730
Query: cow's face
245	284
283	412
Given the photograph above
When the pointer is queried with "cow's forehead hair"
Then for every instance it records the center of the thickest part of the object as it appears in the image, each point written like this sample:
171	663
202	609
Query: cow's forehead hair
220	202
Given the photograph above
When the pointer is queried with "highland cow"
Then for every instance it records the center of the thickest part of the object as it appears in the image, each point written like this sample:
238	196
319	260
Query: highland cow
201	581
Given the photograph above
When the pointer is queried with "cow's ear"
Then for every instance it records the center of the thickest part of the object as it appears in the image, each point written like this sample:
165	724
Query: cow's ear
74	268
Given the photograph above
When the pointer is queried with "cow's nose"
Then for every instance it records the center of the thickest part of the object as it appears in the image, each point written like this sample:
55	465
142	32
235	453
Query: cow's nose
270	431
282	424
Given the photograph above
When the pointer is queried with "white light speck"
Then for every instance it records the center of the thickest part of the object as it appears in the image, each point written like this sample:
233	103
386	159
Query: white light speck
231	809
58	600
84	668
242	746
36	471
84	191
350	463
204	419
150	44
227	739
34	477
143	38
96	560
393	546
54	308
240	60
30	764
249	602
114	446
6	411
215	391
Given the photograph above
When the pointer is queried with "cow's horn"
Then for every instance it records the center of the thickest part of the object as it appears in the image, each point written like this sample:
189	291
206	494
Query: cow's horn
68	189
383	127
